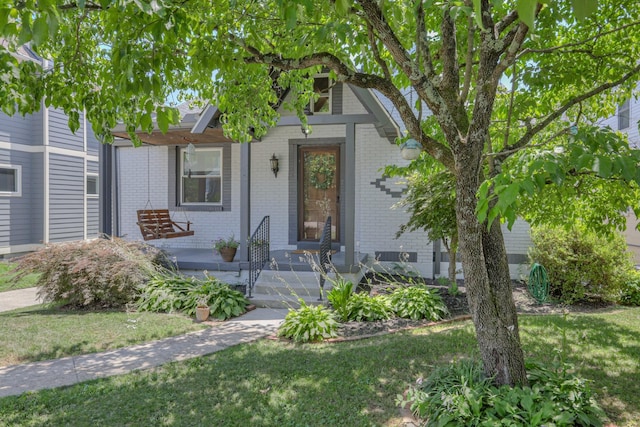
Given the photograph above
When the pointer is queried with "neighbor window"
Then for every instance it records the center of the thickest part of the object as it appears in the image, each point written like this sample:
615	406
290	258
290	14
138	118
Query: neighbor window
201	176
92	185
623	115
10	180
322	87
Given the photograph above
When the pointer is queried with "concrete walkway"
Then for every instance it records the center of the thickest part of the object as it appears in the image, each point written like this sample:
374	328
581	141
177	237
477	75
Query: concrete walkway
17	379
19	298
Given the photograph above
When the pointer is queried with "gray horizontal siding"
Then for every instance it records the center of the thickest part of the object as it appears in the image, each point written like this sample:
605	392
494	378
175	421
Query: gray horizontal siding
66	198
60	135
93	145
21	217
19	130
93	167
92	217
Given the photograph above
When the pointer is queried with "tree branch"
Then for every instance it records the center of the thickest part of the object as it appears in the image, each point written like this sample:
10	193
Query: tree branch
468	67
422	43
503	24
376	52
526	138
450	83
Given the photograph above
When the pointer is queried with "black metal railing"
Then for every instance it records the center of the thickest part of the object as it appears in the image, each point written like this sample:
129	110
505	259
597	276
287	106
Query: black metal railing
258	252
325	254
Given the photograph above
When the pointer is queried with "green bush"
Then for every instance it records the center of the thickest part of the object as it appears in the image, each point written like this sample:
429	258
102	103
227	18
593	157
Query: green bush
581	266
417	302
364	308
309	324
224	302
339	296
99	273
459	394
172	292
630	294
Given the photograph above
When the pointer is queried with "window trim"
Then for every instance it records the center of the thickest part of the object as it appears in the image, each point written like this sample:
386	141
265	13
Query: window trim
18	192
181	175
97	193
329	100
624	115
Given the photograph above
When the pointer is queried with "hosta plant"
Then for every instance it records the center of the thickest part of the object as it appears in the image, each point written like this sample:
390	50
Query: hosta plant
339	296
417	302
364	308
309	324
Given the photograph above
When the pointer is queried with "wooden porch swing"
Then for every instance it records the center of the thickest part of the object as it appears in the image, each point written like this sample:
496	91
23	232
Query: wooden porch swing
157	223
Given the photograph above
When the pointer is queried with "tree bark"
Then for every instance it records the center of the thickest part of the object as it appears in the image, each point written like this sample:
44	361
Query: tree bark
487	279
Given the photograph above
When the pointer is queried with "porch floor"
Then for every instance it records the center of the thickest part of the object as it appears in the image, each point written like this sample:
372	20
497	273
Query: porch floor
286	260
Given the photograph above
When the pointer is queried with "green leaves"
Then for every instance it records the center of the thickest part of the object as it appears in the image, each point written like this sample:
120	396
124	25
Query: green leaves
584	8
527	11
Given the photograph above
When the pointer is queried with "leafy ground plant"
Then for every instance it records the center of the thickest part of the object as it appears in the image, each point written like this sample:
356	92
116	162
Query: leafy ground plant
364	308
460	394
417	302
224	302
339	296
309	324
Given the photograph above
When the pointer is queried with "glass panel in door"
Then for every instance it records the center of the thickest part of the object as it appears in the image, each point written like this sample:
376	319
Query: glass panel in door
319	185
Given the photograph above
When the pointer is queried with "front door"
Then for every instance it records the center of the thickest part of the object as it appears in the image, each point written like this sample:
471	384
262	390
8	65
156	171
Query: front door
318	191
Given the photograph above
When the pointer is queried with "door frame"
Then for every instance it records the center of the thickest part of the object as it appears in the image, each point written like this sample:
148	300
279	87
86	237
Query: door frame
294	148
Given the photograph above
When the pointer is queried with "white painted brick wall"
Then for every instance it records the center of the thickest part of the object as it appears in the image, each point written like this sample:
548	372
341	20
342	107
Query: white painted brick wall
133	181
350	103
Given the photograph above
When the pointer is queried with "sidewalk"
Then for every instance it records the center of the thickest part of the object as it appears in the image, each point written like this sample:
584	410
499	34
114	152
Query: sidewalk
10	300
17	379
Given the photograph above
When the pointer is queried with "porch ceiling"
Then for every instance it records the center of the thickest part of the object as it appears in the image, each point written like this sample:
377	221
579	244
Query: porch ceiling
179	137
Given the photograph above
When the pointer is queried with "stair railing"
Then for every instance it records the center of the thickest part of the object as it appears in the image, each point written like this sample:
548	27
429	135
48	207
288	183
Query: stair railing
325	254
258	252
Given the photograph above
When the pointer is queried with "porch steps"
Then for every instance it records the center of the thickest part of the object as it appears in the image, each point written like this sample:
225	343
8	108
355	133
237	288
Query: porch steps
283	289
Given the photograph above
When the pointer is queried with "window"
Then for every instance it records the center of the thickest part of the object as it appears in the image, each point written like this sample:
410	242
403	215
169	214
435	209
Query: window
201	176
92	185
623	115
10	180
322	86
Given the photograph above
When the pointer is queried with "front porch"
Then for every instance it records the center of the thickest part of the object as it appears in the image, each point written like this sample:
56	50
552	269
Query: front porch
284	260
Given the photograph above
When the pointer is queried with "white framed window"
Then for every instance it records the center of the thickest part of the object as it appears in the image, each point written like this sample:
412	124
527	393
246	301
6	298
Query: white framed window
10	180
92	184
201	176
623	115
322	86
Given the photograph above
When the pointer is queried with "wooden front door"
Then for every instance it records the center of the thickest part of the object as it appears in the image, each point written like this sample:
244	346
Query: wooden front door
318	191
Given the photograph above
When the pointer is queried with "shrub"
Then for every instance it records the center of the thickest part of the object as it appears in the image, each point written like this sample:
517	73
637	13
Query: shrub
339	296
581	266
417	302
459	394
98	273
630	294
309	324
364	308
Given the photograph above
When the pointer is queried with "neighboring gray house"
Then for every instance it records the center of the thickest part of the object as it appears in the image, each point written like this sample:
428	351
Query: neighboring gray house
627	120
48	179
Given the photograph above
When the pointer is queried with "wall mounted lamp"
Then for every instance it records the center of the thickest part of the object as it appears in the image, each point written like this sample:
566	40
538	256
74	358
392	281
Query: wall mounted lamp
305	130
410	149
275	166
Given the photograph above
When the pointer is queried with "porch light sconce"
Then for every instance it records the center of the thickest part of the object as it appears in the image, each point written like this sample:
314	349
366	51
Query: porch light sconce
275	167
410	149
305	130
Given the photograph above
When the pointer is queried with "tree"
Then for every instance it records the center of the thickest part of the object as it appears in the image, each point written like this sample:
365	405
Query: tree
499	77
431	203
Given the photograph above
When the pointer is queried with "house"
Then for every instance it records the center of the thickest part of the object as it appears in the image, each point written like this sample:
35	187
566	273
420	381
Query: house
627	120
296	178
48	179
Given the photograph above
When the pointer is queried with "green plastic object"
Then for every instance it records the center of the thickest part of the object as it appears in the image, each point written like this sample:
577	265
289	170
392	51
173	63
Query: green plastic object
538	283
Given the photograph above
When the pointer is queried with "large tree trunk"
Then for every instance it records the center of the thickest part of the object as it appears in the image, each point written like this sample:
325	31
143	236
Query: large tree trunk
486	275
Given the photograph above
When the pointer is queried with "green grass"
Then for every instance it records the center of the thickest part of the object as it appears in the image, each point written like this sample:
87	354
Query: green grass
35	333
348	384
8	283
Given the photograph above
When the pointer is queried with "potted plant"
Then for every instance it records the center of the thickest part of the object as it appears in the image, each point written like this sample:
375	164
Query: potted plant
202	311
226	247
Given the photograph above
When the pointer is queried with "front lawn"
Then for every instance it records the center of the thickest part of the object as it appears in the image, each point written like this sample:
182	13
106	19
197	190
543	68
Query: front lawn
273	383
8	283
36	333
